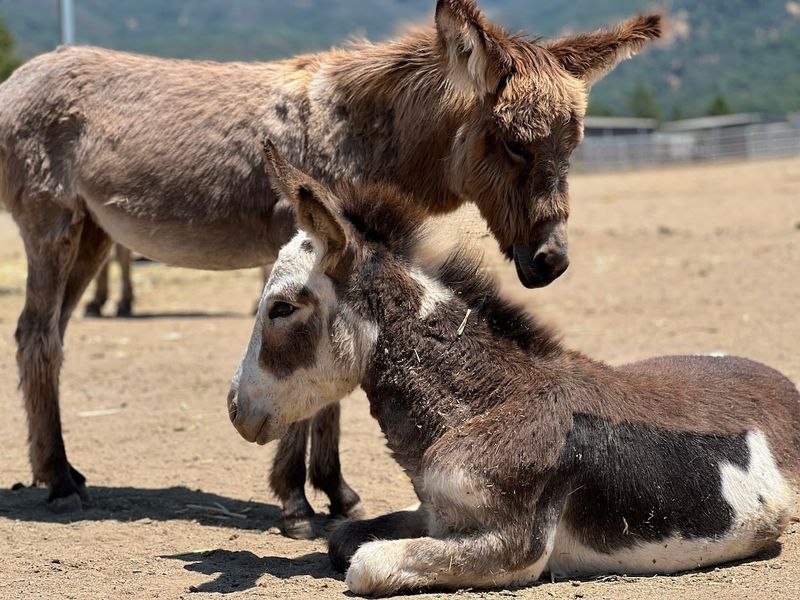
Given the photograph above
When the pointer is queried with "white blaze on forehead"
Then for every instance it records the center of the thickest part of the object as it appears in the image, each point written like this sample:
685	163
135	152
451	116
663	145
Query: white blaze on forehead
294	265
434	293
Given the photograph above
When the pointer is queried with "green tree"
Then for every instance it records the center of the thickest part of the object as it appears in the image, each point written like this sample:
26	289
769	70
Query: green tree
597	109
642	102
8	60
678	112
719	106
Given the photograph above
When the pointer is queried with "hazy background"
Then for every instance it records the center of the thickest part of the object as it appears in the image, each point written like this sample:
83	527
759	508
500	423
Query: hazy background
720	55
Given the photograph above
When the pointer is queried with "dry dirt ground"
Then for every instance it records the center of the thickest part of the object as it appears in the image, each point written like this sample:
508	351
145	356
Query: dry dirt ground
687	260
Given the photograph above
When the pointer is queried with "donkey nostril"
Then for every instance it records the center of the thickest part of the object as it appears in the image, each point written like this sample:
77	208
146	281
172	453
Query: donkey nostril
232	410
232	405
554	263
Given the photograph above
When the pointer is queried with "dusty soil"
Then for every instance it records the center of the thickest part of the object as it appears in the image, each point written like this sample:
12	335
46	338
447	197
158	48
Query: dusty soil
680	260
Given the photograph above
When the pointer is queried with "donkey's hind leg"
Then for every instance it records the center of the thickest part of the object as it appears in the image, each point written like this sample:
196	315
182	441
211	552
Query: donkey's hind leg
52	245
124	260
288	479
325	469
92	255
94	308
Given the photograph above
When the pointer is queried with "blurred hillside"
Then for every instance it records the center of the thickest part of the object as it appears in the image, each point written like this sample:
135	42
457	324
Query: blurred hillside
720	55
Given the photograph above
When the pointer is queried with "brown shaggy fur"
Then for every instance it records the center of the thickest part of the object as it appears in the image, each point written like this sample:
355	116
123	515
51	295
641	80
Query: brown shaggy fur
162	156
526	456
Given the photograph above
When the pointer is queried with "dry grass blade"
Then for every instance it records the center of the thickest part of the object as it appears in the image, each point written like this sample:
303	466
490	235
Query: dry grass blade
217	511
100	412
464	322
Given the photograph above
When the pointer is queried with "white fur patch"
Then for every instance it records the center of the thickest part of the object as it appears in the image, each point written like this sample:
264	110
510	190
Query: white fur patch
454	487
758	495
434	293
379	568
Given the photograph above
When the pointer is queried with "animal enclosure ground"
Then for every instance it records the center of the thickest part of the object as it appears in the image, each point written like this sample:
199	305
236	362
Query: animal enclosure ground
691	260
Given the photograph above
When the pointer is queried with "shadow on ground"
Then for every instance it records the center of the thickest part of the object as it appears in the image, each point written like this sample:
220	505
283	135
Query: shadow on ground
164	504
146	316
237	571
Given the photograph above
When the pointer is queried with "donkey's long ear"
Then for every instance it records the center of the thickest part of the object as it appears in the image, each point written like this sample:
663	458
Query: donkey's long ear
589	56
472	46
314	205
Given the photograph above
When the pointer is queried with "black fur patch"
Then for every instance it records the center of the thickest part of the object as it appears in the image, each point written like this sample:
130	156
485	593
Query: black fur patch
462	273
634	483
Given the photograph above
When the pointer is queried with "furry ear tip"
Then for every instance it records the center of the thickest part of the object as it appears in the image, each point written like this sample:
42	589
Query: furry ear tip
268	148
651	26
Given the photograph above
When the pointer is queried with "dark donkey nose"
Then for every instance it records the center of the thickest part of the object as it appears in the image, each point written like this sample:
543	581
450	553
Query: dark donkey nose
544	259
550	263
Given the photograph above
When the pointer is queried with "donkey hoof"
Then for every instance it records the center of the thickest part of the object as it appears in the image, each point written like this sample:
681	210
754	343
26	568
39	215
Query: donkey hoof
71	504
93	310
356	512
124	310
299	529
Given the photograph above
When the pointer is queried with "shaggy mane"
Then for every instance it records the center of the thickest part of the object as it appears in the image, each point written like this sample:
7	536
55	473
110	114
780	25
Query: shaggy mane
383	216
462	271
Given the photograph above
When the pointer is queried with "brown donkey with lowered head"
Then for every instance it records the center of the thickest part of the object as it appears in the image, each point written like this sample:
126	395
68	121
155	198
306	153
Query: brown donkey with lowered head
162	156
526	457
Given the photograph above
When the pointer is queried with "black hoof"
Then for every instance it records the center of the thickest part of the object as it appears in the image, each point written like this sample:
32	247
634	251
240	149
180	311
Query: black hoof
347	504
93	310
344	542
299	529
124	310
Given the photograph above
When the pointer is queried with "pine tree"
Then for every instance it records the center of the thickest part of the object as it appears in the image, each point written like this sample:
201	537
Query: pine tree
8	60
642	102
719	106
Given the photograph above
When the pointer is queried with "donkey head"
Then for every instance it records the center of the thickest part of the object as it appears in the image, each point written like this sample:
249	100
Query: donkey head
307	348
512	156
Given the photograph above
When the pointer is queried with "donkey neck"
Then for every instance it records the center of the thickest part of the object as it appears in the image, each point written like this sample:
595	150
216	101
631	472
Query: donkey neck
433	368
385	112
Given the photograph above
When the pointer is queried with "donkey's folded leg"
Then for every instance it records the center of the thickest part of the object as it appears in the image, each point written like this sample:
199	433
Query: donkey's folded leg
288	480
325	469
481	560
351	535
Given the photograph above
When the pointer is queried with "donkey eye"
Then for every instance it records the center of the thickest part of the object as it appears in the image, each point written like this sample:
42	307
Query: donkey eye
281	309
517	150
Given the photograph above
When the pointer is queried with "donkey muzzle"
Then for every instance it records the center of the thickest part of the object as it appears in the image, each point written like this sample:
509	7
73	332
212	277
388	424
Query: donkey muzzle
546	258
254	426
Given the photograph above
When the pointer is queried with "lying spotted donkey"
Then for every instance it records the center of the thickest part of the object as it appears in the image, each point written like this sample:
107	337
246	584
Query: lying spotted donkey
526	457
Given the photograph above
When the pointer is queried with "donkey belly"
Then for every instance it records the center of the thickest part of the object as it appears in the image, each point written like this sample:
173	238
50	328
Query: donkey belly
646	500
221	243
673	554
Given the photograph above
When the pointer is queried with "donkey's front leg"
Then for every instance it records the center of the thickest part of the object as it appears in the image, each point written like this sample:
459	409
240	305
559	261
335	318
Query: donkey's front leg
482	560
325	469
63	255
510	544
348	537
288	480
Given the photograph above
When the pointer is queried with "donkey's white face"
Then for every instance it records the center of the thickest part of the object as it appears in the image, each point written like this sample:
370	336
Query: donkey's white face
307	349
